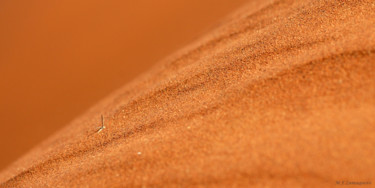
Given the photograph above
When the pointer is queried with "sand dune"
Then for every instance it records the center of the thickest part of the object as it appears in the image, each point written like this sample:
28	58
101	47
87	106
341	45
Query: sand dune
58	58
281	94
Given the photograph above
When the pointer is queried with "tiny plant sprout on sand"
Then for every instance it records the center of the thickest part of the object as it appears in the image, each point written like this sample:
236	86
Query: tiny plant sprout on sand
102	127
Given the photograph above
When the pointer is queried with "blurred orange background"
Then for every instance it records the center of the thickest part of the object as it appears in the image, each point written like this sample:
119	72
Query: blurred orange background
58	57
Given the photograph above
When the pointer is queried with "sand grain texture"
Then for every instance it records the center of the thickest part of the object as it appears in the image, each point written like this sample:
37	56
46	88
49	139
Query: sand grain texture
58	58
281	94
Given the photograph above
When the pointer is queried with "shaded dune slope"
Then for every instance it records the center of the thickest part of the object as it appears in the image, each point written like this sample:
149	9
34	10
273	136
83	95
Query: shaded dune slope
282	93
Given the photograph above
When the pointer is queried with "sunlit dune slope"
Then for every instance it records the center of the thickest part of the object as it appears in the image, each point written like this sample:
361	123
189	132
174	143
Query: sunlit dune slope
282	94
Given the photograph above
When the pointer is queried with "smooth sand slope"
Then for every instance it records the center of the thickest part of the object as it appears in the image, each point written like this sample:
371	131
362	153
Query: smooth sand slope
59	57
282	94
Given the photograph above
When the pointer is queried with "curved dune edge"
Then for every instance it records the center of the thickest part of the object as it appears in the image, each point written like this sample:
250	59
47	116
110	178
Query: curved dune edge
282	94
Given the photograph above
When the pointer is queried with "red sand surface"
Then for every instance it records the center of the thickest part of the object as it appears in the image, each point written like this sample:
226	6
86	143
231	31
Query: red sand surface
58	58
282	94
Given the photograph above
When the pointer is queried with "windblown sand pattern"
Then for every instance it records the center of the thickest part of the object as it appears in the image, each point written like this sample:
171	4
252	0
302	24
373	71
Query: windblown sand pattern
281	94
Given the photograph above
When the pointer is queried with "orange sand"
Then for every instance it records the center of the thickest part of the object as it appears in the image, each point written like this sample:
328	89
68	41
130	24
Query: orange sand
59	57
282	94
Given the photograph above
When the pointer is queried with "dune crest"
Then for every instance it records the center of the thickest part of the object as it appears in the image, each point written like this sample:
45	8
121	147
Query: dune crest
282	94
